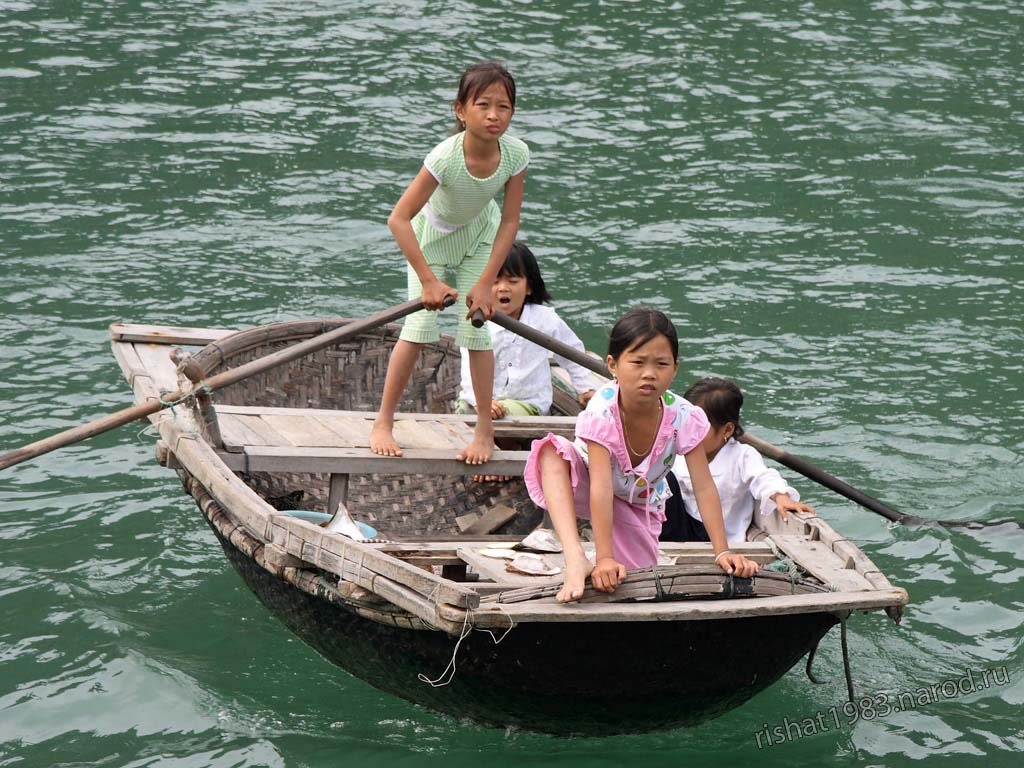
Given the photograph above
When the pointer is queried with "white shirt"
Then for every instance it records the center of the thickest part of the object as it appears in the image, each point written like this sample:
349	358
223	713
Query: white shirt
742	479
521	368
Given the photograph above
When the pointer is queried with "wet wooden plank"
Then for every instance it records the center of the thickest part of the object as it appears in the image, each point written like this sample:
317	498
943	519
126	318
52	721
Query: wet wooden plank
493	569
156	359
236	434
302	430
817	559
547	610
267	433
279	458
166	334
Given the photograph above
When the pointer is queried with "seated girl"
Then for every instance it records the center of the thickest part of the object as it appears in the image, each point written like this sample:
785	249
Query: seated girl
614	472
522	374
738	470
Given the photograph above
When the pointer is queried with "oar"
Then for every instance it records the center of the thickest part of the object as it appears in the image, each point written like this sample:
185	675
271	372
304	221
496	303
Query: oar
802	466
219	381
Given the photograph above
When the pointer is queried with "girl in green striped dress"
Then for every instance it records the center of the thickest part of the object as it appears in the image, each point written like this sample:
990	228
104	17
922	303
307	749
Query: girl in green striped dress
448	218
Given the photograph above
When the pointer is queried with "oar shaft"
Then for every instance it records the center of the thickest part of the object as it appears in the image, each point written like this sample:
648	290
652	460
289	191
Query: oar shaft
809	470
773	452
219	381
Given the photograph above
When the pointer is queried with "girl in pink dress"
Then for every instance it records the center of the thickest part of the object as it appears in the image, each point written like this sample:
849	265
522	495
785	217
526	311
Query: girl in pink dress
614	472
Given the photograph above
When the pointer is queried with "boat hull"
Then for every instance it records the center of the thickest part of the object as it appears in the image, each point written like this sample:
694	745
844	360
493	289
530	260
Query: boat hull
560	678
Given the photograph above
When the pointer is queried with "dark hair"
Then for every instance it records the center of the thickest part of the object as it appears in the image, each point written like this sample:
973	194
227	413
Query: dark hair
521	262
480	77
637	327
720	399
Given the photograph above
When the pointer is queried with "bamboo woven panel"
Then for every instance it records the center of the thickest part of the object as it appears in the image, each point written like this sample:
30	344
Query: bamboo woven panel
350	377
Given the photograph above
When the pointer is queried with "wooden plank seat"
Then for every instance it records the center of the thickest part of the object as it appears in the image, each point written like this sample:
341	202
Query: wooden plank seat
258	439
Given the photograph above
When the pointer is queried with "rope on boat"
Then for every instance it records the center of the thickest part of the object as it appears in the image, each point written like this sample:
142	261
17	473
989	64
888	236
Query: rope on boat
846	661
846	658
448	674
201	386
787	562
659	589
810	660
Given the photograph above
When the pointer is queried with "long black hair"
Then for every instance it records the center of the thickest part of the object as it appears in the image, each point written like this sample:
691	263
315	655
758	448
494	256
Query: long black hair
637	327
721	399
479	77
521	262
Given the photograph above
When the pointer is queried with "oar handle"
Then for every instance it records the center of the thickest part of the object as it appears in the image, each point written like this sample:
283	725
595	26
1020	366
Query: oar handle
773	452
219	381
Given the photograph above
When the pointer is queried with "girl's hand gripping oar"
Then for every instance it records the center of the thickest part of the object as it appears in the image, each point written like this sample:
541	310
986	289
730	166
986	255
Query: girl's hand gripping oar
219	381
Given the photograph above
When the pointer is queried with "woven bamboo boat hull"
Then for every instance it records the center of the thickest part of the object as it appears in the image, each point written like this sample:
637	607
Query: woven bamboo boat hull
398	612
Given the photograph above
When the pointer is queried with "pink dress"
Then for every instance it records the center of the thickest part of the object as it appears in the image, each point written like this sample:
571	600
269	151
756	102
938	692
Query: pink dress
639	493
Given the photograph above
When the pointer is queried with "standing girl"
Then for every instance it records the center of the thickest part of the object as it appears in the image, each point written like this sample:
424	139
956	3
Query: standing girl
448	218
614	473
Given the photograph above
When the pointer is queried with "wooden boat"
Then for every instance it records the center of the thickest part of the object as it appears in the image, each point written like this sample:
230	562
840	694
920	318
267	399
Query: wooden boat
420	611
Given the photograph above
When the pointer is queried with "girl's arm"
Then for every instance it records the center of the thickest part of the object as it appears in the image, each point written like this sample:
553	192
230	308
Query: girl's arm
768	487
710	508
608	573
480	296
400	224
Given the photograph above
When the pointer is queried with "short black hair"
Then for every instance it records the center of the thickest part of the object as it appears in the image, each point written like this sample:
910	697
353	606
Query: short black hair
637	327
521	262
720	399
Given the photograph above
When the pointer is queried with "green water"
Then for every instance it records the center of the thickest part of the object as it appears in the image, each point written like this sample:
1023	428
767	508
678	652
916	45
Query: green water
825	196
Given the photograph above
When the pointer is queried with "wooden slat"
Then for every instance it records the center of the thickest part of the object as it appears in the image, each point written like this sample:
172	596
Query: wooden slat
362	460
494	570
816	558
156	359
541	422
302	430
491	520
166	334
269	435
353	432
547	610
236	434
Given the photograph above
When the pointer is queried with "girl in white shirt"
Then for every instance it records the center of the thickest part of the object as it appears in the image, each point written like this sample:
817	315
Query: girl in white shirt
738	470
522	373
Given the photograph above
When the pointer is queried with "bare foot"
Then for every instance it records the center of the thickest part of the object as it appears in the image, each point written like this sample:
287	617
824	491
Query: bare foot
577	568
480	449
382	441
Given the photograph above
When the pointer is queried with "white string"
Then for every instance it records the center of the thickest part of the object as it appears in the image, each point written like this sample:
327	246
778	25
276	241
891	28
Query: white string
467	627
449	671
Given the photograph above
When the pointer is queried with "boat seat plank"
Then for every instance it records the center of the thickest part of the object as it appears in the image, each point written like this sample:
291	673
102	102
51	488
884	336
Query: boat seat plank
302	430
166	334
817	559
279	458
236	434
352	431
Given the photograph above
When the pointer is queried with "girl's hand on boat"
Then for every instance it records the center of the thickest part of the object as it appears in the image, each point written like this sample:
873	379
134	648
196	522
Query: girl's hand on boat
481	298
607	574
434	293
498	410
584	397
737	565
784	504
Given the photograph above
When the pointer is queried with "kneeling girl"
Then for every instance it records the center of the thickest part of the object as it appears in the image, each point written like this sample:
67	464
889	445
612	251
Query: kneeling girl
614	472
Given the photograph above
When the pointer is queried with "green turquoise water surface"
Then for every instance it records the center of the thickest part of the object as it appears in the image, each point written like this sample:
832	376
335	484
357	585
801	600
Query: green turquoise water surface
825	196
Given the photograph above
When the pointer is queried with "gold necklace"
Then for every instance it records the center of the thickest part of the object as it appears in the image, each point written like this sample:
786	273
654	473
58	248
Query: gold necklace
629	445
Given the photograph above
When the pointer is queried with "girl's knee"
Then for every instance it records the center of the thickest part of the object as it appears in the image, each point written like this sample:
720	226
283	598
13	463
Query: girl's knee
550	459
